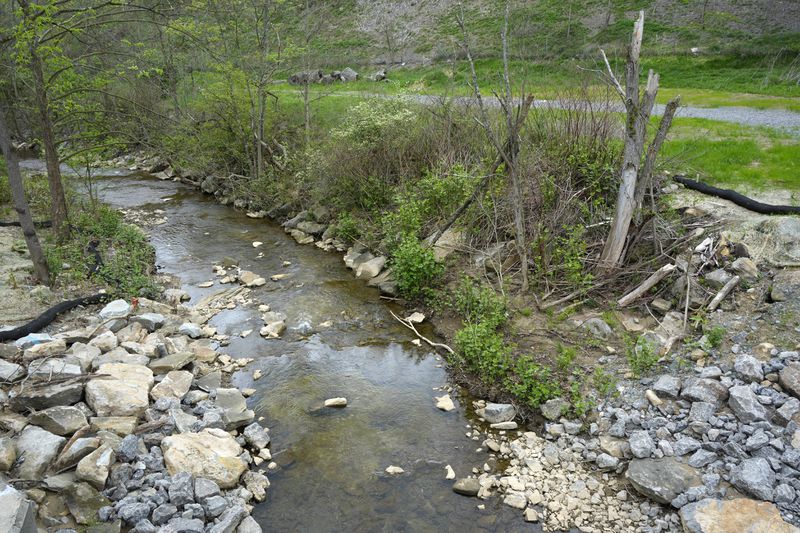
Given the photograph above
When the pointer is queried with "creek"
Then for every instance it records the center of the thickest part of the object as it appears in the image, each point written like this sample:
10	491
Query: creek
331	461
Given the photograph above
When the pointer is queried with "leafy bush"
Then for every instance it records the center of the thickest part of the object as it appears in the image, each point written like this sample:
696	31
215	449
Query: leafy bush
604	383
415	268
582	403
484	351
36	191
368	123
127	256
531	382
715	336
566	356
642	356
480	304
347	227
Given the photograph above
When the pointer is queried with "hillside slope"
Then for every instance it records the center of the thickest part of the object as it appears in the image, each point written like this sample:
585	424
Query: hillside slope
419	31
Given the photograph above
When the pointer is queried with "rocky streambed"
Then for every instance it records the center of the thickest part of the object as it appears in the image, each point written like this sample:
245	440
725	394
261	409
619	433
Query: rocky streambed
131	423
709	448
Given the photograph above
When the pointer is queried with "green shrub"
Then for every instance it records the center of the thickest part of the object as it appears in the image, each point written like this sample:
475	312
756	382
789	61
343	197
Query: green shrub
566	356
484	351
423	202
582	403
368	123
37	192
604	382
642	356
569	254
480	304
347	227
415	268
715	336
532	383
127	256
405	221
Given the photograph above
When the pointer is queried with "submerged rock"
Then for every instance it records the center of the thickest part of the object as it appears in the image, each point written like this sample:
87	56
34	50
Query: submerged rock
468	486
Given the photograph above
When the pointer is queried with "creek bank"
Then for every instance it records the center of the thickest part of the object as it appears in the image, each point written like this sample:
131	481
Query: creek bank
130	424
639	448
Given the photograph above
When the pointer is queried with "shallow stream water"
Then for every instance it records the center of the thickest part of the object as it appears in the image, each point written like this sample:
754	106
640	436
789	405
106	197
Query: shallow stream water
332	461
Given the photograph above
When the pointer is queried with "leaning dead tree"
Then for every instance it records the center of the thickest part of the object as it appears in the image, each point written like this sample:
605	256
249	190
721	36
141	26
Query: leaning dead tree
514	113
636	178
40	268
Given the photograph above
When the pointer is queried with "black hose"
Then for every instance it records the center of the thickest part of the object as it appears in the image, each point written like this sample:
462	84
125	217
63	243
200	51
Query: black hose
738	198
48	316
43	224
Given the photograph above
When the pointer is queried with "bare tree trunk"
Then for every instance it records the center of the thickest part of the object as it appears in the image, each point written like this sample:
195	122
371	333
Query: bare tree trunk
21	203
514	127
646	175
634	180
306	114
58	202
508	152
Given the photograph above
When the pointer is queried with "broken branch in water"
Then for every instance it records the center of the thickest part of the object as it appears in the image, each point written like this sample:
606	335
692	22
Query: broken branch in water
410	326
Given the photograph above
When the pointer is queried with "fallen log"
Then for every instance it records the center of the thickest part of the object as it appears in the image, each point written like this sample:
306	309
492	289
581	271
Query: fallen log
646	285
723	292
737	198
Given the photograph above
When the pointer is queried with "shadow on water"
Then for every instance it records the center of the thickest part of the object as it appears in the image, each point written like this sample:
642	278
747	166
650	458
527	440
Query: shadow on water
331	475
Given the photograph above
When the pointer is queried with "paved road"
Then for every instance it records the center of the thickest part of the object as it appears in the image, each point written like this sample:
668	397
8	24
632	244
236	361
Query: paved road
779	119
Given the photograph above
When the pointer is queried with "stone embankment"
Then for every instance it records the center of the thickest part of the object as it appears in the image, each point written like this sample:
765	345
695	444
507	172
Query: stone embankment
127	422
712	449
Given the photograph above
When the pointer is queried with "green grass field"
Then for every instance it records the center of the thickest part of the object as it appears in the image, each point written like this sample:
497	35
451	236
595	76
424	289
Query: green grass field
703	82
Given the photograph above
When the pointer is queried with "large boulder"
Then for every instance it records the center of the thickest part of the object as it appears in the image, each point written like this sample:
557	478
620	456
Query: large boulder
348	74
40	448
662	480
61	420
705	390
212	454
369	269
745	405
47	395
175	384
17	513
94	468
754	477
741	515
234	408
174	361
494	413
789	378
115	309
123	393
10	371
83	502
